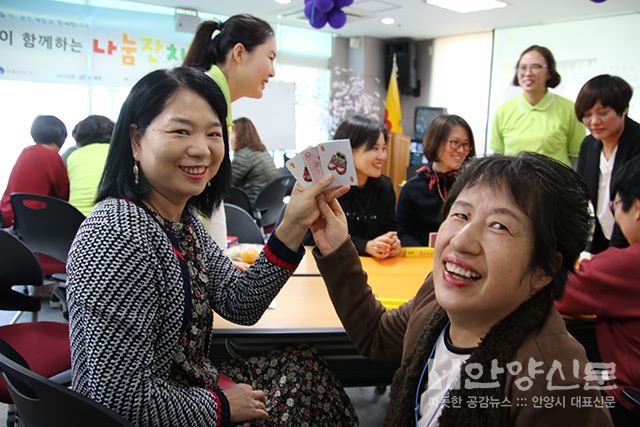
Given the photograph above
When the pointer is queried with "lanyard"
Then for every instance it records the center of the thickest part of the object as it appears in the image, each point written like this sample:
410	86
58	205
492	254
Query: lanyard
422	376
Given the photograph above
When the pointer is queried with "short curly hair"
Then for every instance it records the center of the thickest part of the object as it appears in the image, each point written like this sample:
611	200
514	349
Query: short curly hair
93	129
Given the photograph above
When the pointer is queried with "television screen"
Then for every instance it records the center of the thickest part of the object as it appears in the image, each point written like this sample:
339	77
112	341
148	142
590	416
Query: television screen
423	118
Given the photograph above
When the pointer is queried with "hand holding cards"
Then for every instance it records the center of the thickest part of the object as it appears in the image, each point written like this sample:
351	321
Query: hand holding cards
332	157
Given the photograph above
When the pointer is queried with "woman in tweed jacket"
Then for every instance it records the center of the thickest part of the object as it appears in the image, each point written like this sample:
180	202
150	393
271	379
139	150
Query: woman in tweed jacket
144	276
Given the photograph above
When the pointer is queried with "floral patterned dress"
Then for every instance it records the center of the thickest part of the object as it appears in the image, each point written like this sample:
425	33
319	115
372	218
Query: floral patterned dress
299	388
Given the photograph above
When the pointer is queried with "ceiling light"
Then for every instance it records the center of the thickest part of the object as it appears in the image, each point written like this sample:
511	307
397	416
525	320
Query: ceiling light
388	21
466	6
283	1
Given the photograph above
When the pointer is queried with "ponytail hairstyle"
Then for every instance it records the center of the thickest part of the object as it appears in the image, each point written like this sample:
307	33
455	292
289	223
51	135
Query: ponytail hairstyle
208	48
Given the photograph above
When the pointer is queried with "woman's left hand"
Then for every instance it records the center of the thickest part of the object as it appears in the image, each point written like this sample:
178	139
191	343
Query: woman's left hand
303	211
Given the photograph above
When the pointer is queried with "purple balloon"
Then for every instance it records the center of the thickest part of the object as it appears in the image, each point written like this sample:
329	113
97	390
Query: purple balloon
339	4
337	18
319	20
307	9
323	6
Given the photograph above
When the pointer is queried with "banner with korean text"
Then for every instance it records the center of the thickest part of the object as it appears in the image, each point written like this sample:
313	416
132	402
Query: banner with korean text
45	49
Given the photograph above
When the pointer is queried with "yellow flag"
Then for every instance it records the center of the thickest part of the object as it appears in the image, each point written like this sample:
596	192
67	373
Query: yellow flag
392	115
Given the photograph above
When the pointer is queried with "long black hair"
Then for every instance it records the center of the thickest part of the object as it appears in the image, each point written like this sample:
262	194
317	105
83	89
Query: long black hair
208	49
145	102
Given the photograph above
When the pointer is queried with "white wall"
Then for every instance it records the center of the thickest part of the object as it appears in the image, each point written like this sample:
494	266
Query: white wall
582	49
460	80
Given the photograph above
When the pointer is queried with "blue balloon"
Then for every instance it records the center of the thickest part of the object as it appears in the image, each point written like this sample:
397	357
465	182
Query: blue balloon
323	6
307	9
319	20
337	18
339	4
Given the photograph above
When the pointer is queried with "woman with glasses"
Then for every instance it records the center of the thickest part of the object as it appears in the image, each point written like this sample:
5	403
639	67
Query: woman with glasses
602	105
537	120
448	143
369	207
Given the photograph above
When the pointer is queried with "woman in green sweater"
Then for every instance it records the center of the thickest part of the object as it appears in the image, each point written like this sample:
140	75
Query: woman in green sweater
85	164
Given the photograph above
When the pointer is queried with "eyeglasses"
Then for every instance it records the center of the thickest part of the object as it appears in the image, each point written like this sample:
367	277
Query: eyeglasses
456	145
613	205
535	68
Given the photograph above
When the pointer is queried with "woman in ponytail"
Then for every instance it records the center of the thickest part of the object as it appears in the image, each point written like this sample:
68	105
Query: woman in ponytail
238	55
294	383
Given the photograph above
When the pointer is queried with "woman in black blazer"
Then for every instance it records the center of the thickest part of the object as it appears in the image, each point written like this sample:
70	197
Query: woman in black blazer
602	105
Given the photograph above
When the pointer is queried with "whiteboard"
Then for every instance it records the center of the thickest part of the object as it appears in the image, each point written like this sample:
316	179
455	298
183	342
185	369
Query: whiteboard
582	49
274	115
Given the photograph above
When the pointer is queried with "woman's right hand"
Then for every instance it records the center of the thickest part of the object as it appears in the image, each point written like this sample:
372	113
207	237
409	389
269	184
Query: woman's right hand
383	246
331	229
245	403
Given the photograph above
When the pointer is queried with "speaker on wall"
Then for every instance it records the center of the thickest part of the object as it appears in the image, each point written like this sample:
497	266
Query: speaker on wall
186	23
405	51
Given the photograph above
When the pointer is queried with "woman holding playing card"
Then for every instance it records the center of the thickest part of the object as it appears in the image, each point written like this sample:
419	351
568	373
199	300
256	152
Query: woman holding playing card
482	327
145	279
369	206
448	143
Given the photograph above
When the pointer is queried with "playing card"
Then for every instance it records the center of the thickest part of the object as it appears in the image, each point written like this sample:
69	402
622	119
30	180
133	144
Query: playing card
336	159
312	161
299	170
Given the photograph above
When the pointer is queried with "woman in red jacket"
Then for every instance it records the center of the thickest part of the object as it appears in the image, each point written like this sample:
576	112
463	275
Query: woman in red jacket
607	286
39	168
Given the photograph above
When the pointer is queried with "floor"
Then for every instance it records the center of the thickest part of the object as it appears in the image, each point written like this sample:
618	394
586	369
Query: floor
369	404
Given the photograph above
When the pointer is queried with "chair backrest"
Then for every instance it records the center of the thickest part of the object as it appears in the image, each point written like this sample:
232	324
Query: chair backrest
236	196
18	267
241	225
270	199
45	224
41	402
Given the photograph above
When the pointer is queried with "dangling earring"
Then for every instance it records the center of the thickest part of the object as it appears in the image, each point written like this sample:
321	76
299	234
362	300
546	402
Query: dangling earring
209	184
136	173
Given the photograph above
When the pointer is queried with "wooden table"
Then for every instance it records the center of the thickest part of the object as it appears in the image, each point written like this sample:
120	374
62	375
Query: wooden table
304	314
303	305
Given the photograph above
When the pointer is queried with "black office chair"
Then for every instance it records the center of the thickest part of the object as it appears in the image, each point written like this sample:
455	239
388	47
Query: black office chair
45	345
47	225
236	196
241	225
283	172
42	402
270	200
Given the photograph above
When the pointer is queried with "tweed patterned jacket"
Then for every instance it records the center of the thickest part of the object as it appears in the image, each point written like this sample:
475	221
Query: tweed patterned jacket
127	305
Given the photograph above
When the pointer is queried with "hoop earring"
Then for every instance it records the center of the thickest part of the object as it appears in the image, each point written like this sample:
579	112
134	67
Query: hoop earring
136	173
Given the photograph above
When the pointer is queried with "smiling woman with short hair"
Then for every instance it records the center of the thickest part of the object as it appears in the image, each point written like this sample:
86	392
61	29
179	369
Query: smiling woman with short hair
482	328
